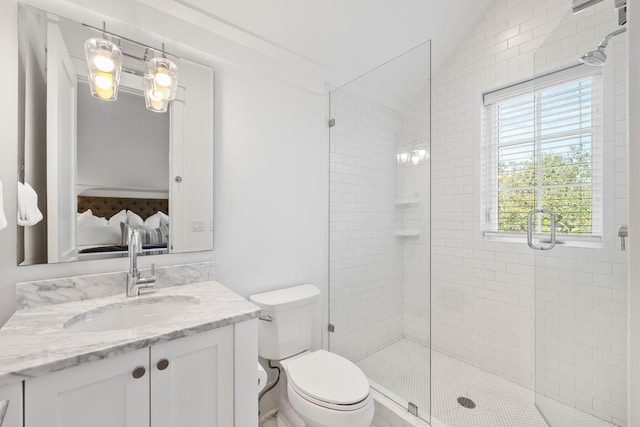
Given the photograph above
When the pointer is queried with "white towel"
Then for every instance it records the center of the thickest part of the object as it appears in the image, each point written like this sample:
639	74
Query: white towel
3	218
28	212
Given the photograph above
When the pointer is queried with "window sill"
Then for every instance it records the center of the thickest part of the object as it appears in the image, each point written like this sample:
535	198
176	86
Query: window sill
562	240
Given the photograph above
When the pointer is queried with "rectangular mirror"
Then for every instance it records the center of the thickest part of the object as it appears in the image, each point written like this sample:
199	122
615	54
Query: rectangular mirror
86	166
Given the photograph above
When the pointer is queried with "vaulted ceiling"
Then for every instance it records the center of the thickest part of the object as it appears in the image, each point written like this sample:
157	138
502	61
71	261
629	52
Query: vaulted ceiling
346	38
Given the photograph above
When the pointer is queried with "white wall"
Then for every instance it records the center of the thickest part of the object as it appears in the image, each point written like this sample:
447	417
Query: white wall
268	179
483	291
268	183
121	144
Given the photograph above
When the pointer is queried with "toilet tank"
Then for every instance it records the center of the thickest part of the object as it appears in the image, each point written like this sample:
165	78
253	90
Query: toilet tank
285	325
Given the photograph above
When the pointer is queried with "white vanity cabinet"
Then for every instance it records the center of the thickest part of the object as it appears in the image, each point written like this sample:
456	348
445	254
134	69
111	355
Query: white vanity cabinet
108	392
12	395
184	382
192	381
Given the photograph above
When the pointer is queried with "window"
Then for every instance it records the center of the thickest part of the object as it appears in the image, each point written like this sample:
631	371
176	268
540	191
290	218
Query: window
542	149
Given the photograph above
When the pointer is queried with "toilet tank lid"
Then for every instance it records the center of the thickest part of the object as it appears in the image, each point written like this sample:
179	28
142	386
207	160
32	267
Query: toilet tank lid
285	299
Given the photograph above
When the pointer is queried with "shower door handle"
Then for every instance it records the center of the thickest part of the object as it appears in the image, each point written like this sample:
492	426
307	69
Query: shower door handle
552	241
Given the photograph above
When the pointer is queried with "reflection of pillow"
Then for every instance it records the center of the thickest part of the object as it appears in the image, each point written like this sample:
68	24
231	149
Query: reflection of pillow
147	237
87	219
164	218
115	220
134	219
97	231
84	218
98	235
150	223
158	235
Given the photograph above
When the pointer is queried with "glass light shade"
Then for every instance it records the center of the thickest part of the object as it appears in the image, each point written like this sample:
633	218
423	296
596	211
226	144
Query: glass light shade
164	75
154	97
104	61
404	156
421	152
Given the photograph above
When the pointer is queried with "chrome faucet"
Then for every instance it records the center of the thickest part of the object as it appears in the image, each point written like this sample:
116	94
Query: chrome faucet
134	282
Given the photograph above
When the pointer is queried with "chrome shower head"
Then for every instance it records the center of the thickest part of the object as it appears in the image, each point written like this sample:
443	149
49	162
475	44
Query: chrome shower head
597	57
594	57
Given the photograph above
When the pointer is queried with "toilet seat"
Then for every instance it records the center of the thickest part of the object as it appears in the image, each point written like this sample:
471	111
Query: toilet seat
315	415
332	406
328	380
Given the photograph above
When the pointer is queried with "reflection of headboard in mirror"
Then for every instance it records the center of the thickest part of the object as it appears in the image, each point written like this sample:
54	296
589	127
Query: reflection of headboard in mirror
106	207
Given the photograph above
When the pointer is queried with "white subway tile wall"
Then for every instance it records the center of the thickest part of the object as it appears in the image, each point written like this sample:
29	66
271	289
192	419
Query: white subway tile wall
365	258
483	291
413	186
379	282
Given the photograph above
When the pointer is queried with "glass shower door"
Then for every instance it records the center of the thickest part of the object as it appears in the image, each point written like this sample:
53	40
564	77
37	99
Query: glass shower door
578	231
379	229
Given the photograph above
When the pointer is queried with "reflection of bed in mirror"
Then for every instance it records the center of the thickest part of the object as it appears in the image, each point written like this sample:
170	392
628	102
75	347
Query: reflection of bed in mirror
101	230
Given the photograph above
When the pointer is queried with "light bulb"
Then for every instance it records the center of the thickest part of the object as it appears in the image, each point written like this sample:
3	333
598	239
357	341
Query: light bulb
157	105
163	92
104	93
415	159
155	94
422	153
103	80
160	93
155	99
103	61
163	78
404	157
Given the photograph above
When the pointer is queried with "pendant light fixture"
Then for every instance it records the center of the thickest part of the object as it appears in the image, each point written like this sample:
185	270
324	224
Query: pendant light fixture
412	151
104	61
419	154
161	83
404	154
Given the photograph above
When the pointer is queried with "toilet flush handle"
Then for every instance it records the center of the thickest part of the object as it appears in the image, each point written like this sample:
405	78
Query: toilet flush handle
266	318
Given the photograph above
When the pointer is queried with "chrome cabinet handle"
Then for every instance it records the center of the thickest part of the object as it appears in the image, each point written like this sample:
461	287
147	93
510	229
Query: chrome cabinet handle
552	241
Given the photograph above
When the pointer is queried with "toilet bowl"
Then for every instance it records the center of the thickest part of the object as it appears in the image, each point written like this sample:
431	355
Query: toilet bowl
319	388
326	390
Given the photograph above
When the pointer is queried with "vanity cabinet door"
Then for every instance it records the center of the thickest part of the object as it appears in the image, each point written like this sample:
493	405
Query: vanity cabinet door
11	395
192	380
112	392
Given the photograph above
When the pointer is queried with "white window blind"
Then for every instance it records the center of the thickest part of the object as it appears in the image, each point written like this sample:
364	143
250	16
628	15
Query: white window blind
542	149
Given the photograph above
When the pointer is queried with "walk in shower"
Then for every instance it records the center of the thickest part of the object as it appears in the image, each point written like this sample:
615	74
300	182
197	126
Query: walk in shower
433	290
379	226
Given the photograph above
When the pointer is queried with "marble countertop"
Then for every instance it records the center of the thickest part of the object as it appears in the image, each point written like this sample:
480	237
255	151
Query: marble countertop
34	342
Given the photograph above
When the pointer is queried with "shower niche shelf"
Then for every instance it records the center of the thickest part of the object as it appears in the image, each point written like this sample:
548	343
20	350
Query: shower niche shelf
408	232
408	201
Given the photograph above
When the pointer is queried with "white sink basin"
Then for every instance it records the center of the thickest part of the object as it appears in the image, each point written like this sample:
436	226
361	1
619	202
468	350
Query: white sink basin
133	313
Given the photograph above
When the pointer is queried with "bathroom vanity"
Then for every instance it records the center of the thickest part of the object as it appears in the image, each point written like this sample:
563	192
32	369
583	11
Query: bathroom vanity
181	355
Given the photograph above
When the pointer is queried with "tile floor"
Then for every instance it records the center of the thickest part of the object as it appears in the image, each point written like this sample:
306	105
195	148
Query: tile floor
404	368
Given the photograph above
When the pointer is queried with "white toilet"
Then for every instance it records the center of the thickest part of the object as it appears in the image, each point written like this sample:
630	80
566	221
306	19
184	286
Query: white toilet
318	389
